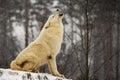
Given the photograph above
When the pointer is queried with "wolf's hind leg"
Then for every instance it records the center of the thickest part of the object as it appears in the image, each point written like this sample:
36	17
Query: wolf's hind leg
31	63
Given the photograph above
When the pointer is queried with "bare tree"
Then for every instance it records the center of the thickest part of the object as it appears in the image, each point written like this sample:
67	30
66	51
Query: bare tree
26	4
117	50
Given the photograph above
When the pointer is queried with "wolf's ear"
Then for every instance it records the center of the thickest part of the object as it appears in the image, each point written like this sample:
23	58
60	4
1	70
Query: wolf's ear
47	26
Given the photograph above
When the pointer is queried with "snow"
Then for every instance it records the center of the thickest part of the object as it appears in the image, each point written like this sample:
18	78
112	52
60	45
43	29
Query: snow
33	1
8	74
19	33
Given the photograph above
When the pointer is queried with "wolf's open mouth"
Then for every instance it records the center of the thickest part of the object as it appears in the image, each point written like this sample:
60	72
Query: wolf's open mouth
61	14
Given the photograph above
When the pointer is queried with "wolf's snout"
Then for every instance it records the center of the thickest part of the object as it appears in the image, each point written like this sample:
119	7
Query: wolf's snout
59	12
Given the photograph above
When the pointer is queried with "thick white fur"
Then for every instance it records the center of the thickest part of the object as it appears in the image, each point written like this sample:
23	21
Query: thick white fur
44	49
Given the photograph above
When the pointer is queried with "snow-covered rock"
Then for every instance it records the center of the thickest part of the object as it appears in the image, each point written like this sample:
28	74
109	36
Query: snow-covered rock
8	74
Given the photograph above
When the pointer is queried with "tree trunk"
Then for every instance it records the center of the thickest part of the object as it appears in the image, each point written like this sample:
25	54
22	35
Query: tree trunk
26	22
87	41
3	25
117	52
108	67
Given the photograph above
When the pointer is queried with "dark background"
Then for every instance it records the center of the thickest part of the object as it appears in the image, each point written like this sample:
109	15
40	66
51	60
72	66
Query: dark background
91	46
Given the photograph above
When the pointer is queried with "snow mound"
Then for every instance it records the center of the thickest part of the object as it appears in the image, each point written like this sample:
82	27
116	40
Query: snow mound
8	74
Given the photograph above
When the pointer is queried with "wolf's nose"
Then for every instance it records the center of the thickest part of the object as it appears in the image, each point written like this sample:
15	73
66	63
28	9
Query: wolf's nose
57	10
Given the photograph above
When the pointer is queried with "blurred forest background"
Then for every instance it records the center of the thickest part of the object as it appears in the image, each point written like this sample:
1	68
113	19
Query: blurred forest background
91	46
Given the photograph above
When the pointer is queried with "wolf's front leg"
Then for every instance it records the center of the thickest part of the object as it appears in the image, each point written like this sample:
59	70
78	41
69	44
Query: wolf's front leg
53	67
